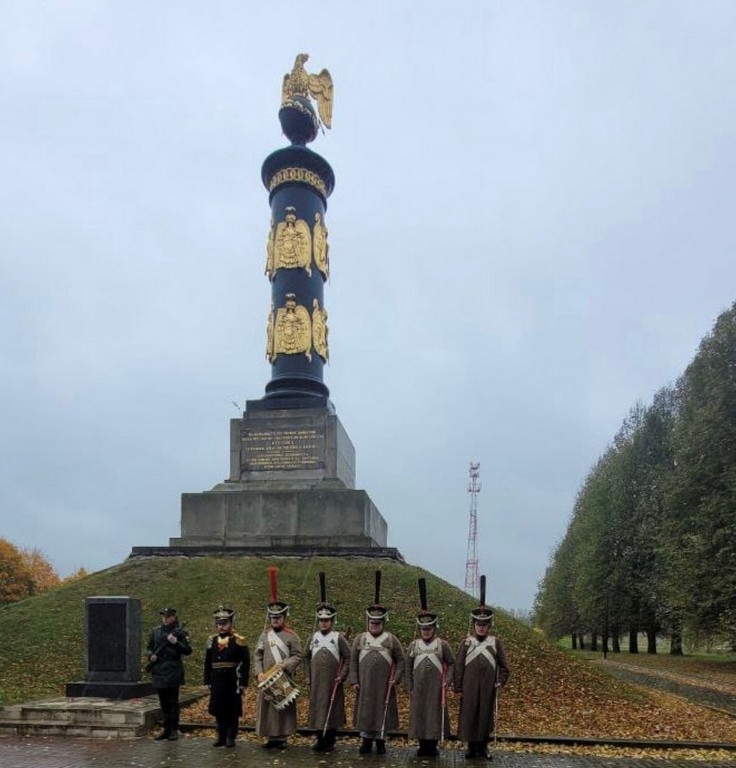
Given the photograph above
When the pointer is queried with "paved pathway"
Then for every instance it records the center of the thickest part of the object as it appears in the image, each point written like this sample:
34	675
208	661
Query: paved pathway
705	695
197	752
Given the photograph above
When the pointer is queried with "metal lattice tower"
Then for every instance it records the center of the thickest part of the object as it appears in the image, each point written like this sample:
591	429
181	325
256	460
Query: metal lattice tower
472	578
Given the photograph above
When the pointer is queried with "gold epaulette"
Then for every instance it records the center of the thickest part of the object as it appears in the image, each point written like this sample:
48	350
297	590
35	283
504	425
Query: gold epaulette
239	639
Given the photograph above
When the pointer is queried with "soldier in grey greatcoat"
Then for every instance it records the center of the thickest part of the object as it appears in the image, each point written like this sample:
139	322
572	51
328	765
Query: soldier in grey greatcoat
429	667
167	644
327	666
376	668
480	671
278	646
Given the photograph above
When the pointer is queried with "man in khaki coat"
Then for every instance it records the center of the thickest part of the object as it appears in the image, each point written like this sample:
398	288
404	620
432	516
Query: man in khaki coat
278	648
328	664
376	667
429	667
480	671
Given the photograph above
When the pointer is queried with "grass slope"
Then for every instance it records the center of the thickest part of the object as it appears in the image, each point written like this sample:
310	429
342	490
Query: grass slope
550	692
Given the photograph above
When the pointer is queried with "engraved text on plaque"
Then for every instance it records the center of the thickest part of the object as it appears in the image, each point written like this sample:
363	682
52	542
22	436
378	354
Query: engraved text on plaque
277	449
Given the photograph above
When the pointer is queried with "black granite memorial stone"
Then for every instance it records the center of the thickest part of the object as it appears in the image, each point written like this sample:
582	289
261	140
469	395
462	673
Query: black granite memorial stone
112	650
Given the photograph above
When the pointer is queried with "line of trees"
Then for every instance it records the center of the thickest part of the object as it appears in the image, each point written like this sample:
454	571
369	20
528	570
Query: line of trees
651	544
27	572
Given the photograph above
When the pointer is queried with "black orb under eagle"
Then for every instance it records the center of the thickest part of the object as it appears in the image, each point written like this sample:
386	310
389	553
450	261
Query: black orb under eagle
299	181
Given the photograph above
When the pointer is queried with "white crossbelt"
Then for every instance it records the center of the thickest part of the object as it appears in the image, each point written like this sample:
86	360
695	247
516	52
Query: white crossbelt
326	642
486	648
375	644
431	652
279	649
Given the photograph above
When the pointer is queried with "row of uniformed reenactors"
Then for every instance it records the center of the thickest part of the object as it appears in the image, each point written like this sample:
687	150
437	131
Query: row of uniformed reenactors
374	664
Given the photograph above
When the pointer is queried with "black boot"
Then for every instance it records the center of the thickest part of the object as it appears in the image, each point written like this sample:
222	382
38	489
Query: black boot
174	727
472	751
319	745
380	746
485	752
230	733
329	741
366	745
430	748
221	736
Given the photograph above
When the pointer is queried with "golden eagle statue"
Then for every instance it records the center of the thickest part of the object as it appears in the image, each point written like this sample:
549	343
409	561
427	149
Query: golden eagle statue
299	83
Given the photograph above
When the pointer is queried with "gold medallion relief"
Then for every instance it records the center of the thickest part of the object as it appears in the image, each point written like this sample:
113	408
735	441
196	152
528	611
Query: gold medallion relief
270	248
292	330
320	331
321	246
289	245
270	354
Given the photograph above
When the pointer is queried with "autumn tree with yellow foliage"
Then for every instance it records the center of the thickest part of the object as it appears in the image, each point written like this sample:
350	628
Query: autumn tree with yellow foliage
24	573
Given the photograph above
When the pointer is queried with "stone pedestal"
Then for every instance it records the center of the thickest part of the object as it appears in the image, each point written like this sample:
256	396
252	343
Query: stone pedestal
291	488
329	518
281	447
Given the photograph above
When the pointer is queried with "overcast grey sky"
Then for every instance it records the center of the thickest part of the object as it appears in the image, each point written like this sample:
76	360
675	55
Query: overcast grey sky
532	228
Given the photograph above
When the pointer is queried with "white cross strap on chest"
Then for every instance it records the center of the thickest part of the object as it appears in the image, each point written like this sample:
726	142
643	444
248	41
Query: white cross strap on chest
279	649
485	648
372	644
432	652
326	642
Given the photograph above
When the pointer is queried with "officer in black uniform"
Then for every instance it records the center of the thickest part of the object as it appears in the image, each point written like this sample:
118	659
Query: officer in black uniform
167	644
226	672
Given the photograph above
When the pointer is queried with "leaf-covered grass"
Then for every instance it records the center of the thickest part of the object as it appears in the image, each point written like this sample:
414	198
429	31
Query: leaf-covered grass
550	692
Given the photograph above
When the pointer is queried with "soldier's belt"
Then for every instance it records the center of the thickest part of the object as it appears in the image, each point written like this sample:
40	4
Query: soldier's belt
224	664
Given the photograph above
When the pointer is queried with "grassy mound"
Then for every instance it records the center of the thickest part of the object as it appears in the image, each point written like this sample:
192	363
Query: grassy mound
550	692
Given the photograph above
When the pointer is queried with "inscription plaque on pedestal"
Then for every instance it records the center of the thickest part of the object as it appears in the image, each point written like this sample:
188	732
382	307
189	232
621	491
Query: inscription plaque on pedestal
295	449
283	448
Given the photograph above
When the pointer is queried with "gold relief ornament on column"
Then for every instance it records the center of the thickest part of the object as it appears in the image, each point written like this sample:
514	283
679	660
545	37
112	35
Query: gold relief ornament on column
270	247
292	333
321	246
293	243
320	331
270	355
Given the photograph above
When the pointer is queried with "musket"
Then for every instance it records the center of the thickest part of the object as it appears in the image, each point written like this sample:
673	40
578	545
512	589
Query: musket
496	690
157	653
337	682
443	700
389	686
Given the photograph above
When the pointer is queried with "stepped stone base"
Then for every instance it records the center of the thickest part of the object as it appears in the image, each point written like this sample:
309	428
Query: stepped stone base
88	717
388	553
334	518
110	690
291	491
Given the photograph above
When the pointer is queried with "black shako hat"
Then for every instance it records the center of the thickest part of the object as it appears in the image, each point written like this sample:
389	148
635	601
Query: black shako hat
223	614
377	612
167	612
324	609
275	606
425	618
483	612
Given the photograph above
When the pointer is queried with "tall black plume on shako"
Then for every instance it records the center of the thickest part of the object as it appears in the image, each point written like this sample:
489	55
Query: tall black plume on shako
377	611
424	618
324	609
483	612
